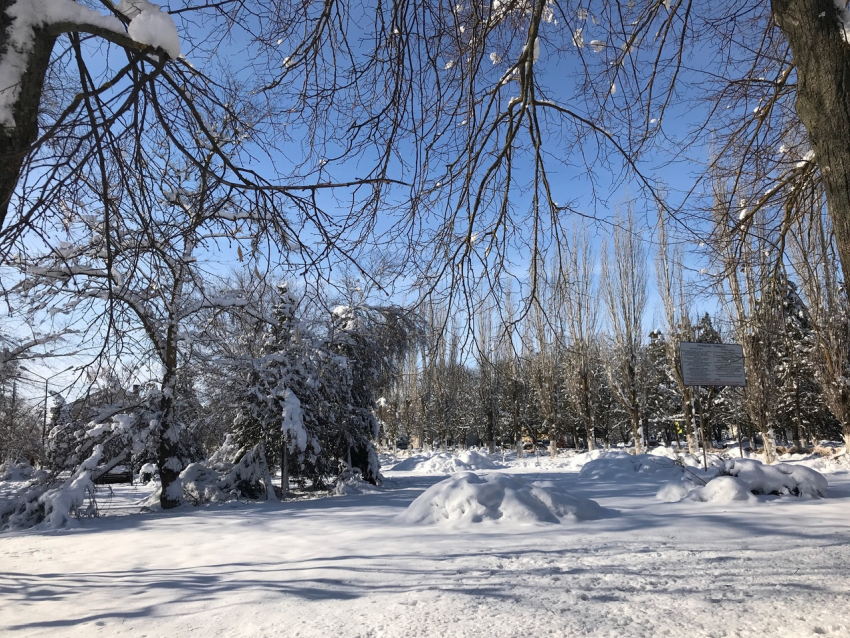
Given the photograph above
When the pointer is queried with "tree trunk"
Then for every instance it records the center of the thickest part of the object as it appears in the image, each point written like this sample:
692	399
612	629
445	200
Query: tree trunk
284	467
16	141
168	461
553	444
637	432
822	59
588	416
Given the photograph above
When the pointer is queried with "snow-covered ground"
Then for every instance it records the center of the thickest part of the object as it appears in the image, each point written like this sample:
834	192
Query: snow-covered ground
351	566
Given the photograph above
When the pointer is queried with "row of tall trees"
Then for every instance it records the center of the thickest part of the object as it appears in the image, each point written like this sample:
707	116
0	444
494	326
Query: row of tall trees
589	367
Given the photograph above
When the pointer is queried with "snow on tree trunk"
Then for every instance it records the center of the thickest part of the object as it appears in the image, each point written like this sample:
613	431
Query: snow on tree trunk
16	140
168	461
637	433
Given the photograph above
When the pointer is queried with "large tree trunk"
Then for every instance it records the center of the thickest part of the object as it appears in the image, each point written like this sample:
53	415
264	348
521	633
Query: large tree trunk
168	461
16	141
168	458
822	58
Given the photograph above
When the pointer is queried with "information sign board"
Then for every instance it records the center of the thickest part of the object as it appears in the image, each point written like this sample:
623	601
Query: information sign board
712	364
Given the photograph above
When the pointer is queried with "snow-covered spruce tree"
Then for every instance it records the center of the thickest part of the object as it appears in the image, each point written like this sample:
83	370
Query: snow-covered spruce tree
273	384
801	408
310	389
663	401
369	342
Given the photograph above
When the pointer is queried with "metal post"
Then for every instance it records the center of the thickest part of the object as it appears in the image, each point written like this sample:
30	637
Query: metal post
44	421
702	428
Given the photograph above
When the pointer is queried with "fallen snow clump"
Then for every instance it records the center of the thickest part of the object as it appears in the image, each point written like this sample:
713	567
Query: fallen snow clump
471	498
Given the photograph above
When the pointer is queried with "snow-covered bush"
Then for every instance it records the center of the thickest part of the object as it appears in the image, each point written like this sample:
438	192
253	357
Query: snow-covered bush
249	478
624	467
471	498
741	479
350	482
780	479
51	505
17	471
723	489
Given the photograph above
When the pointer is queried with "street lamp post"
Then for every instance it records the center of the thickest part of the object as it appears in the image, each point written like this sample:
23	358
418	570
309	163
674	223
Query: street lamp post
46	391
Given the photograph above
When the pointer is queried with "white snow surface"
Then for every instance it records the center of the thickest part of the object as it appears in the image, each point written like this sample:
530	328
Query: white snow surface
775	566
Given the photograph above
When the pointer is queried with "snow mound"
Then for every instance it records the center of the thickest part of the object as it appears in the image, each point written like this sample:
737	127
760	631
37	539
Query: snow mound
723	489
471	498
447	463
621	466
409	464
673	492
665	452
578	461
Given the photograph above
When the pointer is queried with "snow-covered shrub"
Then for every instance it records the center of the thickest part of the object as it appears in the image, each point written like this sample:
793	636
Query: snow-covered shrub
740	479
249	479
780	479
350	482
16	471
624	467
224	457
472	498
147	472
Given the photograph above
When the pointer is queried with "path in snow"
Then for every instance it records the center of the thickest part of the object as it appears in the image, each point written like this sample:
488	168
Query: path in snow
342	567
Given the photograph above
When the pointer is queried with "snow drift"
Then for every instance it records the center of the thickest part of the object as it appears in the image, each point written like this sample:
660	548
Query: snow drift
624	467
446	463
471	498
